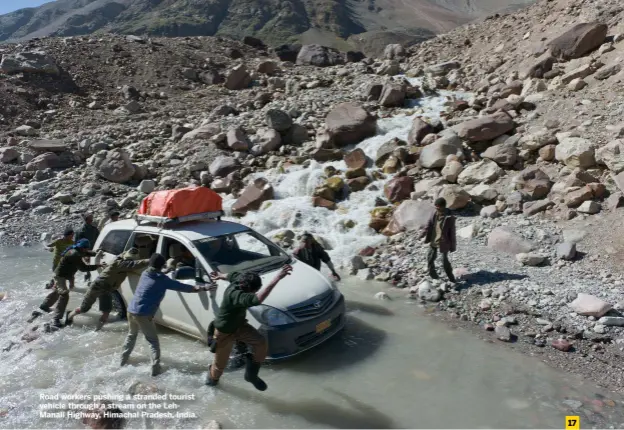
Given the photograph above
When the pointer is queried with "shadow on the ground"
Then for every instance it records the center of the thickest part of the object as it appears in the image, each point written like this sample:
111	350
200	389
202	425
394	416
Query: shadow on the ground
483	277
316	411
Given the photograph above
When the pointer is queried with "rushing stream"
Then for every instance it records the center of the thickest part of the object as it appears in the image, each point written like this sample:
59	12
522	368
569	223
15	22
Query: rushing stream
392	367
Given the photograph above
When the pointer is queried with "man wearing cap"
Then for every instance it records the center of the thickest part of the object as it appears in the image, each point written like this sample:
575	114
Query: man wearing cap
150	291
72	260
58	246
312	253
106	283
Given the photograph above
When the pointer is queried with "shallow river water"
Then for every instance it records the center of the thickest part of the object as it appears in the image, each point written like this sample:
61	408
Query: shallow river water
392	367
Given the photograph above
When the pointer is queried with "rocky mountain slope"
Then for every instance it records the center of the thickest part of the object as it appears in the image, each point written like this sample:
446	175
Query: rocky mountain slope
274	21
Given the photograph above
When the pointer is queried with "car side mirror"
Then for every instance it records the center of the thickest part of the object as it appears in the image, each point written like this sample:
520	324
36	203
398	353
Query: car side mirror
184	273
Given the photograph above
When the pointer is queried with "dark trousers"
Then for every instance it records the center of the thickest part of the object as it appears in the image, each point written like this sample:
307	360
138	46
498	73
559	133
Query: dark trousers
431	258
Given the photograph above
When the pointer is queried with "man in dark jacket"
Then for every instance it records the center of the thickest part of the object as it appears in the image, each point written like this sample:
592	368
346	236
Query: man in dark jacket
90	232
440	234
108	282
231	324
312	253
149	293
72	261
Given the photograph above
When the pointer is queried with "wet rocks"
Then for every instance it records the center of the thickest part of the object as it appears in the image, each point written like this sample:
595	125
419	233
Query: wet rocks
427	292
399	189
434	155
349	123
485	171
115	166
419	129
579	40
392	95
485	128
506	241
356	159
319	56
588	305
576	152
253	196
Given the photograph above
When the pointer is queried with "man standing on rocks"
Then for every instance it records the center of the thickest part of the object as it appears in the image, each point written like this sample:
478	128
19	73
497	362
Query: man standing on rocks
440	234
113	216
149	293
106	283
312	253
58	246
89	232
232	326
72	260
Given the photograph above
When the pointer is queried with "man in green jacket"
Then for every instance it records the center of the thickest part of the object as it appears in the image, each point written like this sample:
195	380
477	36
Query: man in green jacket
58	246
72	261
231	324
106	283
90	232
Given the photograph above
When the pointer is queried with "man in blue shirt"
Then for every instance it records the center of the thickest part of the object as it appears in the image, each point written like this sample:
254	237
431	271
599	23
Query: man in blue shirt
151	290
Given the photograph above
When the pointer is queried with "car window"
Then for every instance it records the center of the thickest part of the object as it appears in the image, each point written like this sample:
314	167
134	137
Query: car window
146	243
115	241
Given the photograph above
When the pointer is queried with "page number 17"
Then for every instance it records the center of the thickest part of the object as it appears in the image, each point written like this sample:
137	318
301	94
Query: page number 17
572	423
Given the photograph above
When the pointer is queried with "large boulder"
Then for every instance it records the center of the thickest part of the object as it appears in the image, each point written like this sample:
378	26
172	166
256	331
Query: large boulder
49	160
115	166
222	166
278	120
612	155
28	62
506	241
238	78
387	149
392	95
533	183
485	128
349	123
419	129
399	189
485	171
288	52
434	155
8	154
537	67
319	56
48	145
267	140
456	197
410	216
588	305
576	152
451	170
253	196
356	159
578	40
204	132
502	154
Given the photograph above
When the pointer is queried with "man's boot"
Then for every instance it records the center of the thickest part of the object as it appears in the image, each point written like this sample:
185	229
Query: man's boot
37	314
251	374
57	323
209	381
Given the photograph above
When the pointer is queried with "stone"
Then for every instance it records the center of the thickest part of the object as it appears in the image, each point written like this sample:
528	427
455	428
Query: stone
529	259
323	155
278	120
8	155
577	197
49	160
178	132
238	78
29	62
382	296
389	68
468	232
489	212
47	145
535	207
615	201
577	74
434	155
356	159
296	135
483	171
115	166
588	305
483	193
287	52
253	196
65	198
442	69
577	84
612	321
533	183
485	128
536	68
394	51
147	186
42	210
358	184
589	207
451	171
418	130
547	153
267	140
410	216
561	345
237	140
503	240
428	293
320	202
319	56
612	155
566	251
205	132
399	189
349	123
267	67
456	197
502	333
222	166
536	138
578	41
619	180
373	91
576	152
607	71
26	130
387	149
502	154
212	425
392	95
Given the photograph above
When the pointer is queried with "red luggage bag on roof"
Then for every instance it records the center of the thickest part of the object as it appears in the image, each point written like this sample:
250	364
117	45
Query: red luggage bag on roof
181	202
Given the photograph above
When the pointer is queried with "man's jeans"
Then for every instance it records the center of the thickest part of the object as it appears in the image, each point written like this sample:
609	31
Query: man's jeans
431	258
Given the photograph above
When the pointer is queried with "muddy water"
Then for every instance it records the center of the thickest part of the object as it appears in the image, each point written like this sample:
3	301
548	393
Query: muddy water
391	368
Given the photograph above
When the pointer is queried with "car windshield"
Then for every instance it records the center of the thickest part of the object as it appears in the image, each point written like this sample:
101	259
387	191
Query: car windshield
246	250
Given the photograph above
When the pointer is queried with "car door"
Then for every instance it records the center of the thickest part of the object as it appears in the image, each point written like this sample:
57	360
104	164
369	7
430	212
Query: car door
190	313
109	246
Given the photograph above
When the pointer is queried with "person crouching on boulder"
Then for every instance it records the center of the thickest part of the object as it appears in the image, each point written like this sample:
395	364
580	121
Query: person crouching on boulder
108	282
231	324
72	261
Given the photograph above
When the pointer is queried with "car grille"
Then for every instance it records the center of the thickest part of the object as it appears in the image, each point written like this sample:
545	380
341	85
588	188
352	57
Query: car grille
312	308
311	338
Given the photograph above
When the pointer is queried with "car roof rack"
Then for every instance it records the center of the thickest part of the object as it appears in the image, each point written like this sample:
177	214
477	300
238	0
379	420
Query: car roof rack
166	222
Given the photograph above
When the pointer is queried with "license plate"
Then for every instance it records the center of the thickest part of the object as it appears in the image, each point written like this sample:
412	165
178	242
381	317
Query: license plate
323	326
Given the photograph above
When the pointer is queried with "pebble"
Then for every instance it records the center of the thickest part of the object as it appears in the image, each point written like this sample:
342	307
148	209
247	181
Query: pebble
503	333
562	345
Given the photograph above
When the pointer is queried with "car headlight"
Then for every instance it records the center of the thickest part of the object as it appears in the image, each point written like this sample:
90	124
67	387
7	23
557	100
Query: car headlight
270	316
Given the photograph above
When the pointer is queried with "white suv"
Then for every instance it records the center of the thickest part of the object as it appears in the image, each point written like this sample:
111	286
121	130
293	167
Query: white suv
304	310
